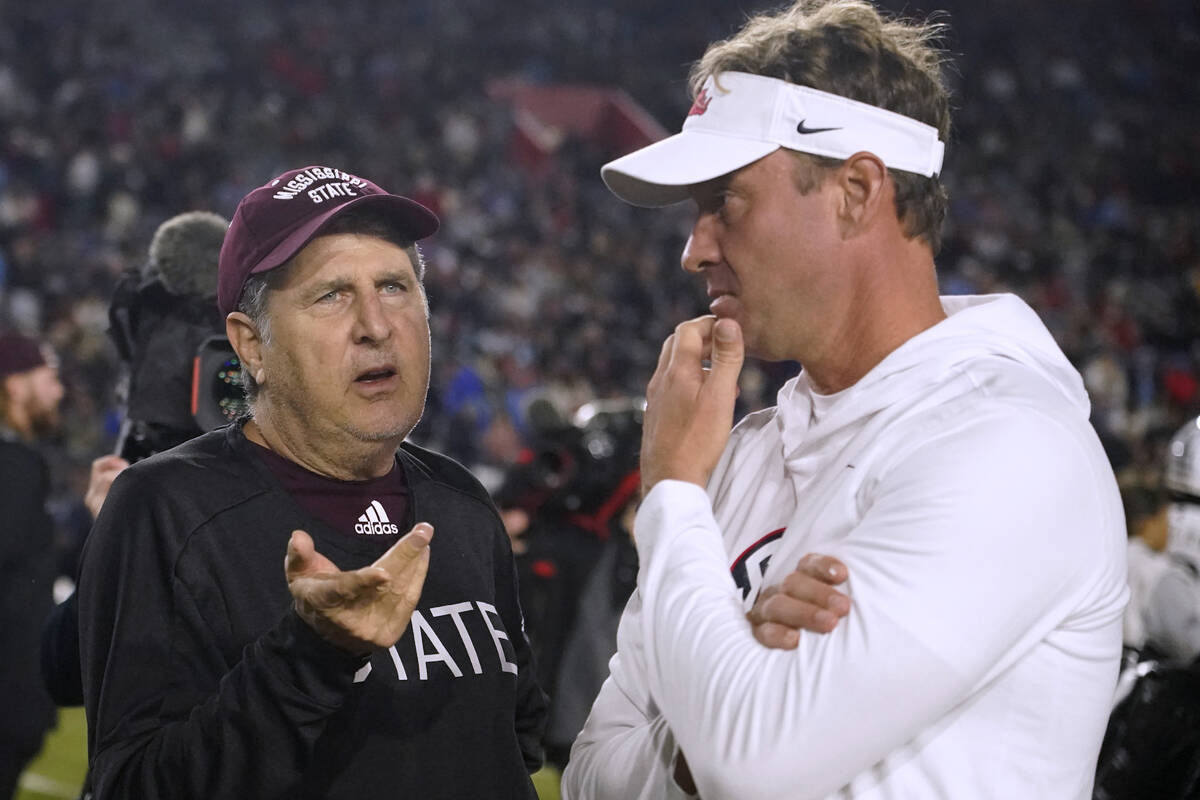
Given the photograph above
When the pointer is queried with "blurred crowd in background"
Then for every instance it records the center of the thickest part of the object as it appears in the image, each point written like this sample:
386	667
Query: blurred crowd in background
1073	170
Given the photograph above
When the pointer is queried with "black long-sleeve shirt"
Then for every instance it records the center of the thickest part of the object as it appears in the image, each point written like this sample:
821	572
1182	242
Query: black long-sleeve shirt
201	682
26	593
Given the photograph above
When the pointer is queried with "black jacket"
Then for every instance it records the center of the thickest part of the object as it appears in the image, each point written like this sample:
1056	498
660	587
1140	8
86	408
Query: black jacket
26	594
201	682
1151	748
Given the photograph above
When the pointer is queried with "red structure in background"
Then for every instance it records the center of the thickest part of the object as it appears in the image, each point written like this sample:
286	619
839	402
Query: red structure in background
544	115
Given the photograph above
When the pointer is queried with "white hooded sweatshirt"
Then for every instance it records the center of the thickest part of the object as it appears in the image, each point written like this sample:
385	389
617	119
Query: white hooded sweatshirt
965	490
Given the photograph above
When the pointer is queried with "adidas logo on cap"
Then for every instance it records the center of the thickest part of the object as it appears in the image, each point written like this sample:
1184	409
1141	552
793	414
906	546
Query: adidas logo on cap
375	521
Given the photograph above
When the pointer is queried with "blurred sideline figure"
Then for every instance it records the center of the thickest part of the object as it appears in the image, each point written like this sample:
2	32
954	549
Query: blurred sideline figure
569	506
1146	517
30	393
1152	745
1172	612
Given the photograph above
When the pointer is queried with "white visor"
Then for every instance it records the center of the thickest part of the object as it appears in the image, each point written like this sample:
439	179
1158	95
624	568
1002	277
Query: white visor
738	118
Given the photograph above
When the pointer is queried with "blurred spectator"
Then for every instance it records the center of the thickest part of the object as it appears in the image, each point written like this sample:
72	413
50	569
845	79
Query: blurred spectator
1146	520
1083	141
568	505
1152	745
29	396
1172	610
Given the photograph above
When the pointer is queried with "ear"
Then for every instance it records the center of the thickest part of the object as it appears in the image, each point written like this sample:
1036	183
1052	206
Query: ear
866	191
247	343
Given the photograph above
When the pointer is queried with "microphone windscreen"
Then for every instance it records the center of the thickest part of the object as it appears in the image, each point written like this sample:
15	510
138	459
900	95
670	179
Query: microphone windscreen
185	251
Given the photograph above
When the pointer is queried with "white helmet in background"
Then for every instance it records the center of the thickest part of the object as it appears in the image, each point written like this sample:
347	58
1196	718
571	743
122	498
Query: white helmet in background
1183	461
1182	482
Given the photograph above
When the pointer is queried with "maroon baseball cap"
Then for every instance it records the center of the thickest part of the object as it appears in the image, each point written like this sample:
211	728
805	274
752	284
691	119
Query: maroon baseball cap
276	220
19	354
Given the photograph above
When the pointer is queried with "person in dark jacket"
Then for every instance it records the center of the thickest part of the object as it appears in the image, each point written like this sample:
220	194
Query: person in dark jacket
30	392
1152	744
302	604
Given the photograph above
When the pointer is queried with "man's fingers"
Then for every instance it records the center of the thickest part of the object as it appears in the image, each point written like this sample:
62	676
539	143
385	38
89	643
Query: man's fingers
798	614
720	341
411	546
805	600
339	589
302	558
824	568
776	636
664	355
755	614
299	552
729	352
108	464
690	343
805	588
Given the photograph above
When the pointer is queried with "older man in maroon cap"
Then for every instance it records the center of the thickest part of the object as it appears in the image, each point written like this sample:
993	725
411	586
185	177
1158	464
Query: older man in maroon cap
266	611
29	396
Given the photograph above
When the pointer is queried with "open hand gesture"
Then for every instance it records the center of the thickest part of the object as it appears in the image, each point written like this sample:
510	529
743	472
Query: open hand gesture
363	609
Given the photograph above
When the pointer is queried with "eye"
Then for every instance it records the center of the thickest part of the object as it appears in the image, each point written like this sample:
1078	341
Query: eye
393	287
721	205
329	296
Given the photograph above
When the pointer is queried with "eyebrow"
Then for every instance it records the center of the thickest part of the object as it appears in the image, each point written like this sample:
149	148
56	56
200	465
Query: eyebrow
396	276
344	281
327	285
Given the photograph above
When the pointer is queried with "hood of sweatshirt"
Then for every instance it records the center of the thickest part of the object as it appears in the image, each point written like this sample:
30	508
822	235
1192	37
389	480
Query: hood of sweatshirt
976	326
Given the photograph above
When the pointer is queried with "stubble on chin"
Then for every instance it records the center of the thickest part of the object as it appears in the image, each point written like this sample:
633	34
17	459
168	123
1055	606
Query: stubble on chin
396	431
46	424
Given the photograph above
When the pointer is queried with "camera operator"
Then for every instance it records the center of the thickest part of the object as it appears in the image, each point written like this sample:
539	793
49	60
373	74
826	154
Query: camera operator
166	328
165	324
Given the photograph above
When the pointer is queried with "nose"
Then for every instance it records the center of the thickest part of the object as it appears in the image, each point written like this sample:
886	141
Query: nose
701	250
370	321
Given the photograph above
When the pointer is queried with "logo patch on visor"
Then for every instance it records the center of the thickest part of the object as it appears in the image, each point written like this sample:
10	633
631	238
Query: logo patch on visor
701	104
801	129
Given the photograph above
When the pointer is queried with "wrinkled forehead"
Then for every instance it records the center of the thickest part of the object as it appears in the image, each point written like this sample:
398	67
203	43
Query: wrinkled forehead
345	257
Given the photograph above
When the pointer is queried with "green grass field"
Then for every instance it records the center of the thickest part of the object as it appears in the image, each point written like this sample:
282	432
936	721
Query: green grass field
57	772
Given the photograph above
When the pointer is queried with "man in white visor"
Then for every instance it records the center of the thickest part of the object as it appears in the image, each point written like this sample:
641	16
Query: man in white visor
939	448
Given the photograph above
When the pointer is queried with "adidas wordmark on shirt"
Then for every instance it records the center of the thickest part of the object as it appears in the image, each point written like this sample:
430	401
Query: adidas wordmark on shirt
375	521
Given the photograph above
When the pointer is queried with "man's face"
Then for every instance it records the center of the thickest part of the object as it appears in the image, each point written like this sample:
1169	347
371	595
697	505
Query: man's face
348	355
768	255
45	392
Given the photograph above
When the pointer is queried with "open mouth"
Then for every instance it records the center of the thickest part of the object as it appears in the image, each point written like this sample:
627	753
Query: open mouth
381	374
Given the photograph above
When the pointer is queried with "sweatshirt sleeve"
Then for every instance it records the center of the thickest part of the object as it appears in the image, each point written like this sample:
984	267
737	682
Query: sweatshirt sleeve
968	557
625	750
60	653
168	715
